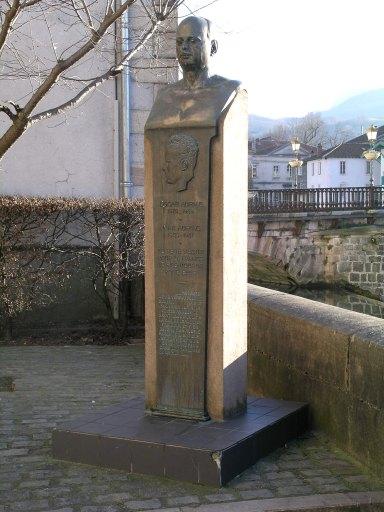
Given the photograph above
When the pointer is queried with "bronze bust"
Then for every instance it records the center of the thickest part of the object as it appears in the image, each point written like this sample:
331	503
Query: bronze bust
198	98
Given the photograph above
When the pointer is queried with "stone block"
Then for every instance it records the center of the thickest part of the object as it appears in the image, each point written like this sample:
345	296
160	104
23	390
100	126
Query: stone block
344	266
319	352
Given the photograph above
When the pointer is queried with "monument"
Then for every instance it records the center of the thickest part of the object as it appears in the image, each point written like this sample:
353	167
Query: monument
197	423
196	144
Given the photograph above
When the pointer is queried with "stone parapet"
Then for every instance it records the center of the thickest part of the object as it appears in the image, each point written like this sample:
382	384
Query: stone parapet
331	358
331	247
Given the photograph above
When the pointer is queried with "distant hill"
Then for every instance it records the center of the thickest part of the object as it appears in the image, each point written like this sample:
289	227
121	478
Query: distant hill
369	105
352	114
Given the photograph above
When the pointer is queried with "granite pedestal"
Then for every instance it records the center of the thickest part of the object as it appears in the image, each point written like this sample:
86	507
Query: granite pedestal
210	452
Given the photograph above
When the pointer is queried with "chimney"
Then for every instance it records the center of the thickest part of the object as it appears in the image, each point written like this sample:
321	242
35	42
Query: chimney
319	149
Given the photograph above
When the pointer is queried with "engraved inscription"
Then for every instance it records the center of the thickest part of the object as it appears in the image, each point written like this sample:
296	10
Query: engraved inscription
181	262
180	161
180	319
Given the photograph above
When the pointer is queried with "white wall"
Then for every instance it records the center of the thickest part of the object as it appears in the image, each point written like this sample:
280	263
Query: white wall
265	178
77	154
355	173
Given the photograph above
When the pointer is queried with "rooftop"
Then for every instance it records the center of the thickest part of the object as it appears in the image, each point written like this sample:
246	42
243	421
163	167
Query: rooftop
353	148
268	146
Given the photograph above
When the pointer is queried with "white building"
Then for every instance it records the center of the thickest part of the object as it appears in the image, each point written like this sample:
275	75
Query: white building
344	166
97	149
268	164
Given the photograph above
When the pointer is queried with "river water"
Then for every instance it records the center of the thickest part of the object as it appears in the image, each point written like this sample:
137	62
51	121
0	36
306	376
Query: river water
345	300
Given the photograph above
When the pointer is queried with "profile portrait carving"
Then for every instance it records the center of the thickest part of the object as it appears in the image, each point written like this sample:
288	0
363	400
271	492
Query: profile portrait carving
181	154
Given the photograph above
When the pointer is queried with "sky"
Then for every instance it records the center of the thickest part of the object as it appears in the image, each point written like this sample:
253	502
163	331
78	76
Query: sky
300	56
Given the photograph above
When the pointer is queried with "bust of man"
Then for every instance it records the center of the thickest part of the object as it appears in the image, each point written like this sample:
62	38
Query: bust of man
198	98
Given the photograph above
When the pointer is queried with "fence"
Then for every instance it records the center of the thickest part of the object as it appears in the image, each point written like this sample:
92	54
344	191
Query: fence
316	200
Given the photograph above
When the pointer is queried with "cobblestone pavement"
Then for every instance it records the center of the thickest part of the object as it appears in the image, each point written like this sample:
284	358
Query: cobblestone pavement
55	384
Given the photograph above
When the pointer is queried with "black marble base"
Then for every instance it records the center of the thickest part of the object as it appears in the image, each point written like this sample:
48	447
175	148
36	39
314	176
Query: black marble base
210	453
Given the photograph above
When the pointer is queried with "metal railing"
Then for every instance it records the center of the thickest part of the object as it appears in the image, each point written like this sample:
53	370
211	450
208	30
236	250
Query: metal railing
316	199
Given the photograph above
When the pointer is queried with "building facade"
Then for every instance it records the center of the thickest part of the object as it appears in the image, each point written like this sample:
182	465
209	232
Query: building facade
345	166
268	164
96	149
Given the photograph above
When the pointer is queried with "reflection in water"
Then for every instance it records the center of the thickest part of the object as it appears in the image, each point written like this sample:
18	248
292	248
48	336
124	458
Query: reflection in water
345	300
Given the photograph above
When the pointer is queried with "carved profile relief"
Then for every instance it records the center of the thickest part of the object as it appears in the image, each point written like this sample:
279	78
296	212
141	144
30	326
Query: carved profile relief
180	161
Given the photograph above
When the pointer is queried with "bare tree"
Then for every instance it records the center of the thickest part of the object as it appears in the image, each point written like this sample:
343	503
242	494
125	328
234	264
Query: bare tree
312	129
82	35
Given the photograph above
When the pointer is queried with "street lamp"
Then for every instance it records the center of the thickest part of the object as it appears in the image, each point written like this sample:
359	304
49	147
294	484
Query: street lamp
371	154
296	163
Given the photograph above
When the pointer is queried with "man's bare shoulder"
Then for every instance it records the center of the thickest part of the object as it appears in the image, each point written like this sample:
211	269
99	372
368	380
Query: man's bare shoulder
214	81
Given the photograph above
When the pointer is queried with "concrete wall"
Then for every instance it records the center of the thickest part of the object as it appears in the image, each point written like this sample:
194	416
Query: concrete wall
329	357
336	247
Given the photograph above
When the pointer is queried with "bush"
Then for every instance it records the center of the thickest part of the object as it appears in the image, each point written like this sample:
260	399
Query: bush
33	231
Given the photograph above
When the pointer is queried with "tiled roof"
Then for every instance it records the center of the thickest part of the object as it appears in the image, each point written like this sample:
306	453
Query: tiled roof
353	148
268	145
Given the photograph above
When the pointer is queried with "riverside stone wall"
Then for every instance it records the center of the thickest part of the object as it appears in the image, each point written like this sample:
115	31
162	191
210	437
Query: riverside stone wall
332	248
331	358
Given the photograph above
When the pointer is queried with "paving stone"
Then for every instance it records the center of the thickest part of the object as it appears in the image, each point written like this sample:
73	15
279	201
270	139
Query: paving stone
294	490
182	500
219	497
274	475
108	508
315	472
13	452
14	495
286	482
257	493
142	505
33	484
51	492
74	377
333	487
115	497
357	479
26	506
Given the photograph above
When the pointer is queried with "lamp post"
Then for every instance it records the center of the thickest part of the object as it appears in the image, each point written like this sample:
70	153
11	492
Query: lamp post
296	163
371	154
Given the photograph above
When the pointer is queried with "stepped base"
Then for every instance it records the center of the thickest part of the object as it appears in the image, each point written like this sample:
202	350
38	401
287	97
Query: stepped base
211	453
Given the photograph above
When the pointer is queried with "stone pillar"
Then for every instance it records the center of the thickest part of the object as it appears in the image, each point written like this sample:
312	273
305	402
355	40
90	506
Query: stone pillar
196	257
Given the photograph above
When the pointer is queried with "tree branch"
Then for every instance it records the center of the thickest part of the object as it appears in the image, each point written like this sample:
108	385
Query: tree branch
8	111
111	73
9	19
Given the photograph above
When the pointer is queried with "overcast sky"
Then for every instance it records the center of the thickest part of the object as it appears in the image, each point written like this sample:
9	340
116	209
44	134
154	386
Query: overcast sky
297	56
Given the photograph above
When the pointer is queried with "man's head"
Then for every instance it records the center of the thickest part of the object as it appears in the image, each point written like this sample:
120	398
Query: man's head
194	45
180	160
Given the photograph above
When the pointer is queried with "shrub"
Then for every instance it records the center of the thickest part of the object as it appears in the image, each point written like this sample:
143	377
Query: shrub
108	234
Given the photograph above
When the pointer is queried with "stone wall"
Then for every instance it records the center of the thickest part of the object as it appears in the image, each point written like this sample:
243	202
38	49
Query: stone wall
331	358
346	247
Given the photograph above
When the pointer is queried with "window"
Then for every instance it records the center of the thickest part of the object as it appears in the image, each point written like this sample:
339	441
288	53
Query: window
275	171
289	170
254	168
313	168
319	168
300	171
342	166
368	167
